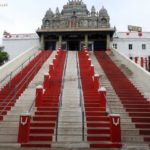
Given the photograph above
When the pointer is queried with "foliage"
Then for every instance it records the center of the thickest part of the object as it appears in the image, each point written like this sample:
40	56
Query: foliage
4	57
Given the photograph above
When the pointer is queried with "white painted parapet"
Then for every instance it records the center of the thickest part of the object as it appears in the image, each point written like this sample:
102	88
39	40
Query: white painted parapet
141	73
11	66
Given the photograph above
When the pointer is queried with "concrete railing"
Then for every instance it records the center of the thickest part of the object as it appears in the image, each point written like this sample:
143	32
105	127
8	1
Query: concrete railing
141	74
14	66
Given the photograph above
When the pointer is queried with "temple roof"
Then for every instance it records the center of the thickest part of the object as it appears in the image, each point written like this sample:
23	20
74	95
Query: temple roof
76	6
76	15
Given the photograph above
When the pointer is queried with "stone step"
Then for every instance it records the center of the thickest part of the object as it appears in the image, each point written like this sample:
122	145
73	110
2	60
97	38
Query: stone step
132	139
70	131
70	114
8	130
70	145
70	119
8	124
9	138
70	124
69	138
130	132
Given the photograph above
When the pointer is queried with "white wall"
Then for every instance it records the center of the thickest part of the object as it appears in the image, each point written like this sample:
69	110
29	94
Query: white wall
123	47
123	39
15	47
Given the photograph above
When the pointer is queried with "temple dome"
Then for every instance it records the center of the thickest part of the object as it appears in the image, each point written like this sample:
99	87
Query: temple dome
103	12
93	11
49	13
76	6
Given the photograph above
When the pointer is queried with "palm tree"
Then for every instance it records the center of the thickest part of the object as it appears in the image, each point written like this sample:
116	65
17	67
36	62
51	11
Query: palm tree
4	57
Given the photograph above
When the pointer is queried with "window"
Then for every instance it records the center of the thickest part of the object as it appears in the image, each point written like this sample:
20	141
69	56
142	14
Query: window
130	47
143	46
115	45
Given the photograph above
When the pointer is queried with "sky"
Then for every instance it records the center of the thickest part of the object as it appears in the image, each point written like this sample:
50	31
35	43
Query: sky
25	16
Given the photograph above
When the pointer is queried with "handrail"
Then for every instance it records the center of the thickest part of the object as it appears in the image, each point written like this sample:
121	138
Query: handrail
33	102
60	97
81	98
25	78
9	76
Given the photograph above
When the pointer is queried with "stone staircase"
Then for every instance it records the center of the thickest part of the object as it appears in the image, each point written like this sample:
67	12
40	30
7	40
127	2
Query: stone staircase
10	123
135	122
70	118
97	118
131	136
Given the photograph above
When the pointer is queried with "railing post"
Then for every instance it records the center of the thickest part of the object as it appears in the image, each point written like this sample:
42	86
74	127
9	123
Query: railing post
87	56
115	128
146	65
54	62
51	69
102	92
92	70
96	81
142	62
46	81
39	96
136	60
24	128
89	62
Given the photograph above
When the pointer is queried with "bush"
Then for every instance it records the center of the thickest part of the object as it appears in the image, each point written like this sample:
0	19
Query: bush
4	57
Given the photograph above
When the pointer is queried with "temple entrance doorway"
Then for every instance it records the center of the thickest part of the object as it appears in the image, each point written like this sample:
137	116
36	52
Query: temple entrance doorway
73	45
100	45
50	45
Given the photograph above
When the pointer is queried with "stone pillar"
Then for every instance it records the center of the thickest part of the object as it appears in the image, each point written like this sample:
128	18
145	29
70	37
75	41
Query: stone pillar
42	42
24	128
60	41
115	128
86	40
39	96
108	42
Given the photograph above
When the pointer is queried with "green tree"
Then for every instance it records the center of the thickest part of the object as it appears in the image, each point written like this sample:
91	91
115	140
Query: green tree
4	57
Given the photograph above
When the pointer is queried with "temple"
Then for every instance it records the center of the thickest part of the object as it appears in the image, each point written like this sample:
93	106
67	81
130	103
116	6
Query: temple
75	27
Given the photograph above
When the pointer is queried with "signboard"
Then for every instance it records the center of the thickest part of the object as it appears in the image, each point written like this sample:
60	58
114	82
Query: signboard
134	28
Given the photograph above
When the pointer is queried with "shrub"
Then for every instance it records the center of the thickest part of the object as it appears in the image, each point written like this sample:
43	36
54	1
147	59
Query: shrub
4	57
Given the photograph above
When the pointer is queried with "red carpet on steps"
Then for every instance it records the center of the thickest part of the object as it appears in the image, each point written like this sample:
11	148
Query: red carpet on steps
9	95
43	123
133	101
97	120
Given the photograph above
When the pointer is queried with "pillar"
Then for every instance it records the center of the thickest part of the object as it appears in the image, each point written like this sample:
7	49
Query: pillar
115	128
24	128
51	69
42	42
102	92
46	81
96	81
108	42
39	96
86	40
92	70
60	41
